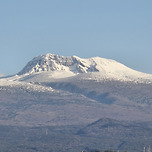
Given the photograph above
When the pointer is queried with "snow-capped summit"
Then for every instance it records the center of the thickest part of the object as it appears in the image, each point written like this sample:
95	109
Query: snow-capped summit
95	68
50	62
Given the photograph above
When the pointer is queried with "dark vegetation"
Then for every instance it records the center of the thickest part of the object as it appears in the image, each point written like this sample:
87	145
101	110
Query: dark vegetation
70	110
108	92
96	137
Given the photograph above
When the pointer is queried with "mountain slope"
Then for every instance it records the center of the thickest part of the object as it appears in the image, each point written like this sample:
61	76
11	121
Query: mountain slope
75	96
50	62
95	68
96	86
118	135
103	80
109	127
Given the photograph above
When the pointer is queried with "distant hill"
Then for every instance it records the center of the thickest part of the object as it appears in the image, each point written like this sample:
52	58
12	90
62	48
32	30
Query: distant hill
119	134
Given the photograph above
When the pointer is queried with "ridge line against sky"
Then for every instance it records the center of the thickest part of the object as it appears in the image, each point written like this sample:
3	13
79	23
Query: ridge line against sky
113	29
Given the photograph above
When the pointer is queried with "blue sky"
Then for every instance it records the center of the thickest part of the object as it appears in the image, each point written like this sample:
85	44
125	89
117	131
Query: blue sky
116	29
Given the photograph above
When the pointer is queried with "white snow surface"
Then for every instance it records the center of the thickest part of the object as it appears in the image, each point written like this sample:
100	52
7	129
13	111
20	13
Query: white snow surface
50	62
51	67
13	82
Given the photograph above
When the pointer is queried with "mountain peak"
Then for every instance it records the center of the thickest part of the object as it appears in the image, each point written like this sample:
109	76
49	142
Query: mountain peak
97	68
51	62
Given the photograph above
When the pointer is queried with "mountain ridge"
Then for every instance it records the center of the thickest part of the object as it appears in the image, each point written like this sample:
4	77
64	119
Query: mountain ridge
98	67
51	62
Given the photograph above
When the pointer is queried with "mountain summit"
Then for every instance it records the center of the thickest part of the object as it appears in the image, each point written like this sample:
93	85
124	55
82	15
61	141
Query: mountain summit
51	62
99	68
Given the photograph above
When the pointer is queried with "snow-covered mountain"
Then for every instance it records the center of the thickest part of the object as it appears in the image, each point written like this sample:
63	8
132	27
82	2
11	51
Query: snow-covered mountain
75	89
50	62
62	92
55	66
